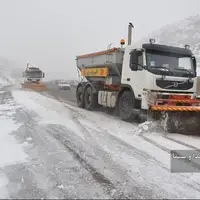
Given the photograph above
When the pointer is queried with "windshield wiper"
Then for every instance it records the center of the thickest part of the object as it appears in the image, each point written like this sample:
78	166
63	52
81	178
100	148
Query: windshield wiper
186	70
160	67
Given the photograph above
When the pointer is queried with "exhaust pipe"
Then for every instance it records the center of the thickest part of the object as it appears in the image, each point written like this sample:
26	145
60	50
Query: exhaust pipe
130	27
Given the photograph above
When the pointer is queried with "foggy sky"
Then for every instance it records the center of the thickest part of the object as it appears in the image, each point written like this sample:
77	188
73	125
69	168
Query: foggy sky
50	33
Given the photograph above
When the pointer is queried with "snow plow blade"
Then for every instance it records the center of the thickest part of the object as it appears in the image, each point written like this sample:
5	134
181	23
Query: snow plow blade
178	115
175	108
40	87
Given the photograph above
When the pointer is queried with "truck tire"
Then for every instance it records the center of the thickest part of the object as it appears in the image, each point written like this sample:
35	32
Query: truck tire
125	106
90	99
80	97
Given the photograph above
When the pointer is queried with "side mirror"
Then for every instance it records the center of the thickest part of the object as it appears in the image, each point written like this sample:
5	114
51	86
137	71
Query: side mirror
194	63
134	60
43	75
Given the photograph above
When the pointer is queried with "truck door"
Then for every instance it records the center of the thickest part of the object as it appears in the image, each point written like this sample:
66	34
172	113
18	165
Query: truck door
134	73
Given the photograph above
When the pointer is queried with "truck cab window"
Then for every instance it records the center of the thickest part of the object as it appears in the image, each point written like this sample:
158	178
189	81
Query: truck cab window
137	58
140	61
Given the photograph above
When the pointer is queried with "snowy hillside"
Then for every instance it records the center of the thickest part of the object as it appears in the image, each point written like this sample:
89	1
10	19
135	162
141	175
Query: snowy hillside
10	73
186	31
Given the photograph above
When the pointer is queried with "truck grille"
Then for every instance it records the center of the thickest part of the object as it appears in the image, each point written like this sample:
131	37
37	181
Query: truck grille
174	85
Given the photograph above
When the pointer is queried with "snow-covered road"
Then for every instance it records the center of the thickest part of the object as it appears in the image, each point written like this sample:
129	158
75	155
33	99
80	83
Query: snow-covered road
52	149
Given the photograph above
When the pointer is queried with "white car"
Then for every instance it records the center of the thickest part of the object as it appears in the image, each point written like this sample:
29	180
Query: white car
64	86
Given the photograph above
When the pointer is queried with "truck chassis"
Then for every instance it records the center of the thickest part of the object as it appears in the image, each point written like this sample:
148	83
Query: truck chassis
176	115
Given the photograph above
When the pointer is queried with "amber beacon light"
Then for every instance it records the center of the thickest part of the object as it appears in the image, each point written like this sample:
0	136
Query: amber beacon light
122	42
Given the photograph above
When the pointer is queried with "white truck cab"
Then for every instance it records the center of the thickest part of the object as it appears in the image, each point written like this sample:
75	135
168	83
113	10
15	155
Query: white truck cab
136	80
160	68
33	75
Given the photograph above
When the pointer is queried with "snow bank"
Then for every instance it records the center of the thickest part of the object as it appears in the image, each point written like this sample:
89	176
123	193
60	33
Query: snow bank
4	82
8	144
6	78
9	74
3	183
10	151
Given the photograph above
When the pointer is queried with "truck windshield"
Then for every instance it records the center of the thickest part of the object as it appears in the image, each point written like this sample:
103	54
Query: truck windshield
34	74
172	64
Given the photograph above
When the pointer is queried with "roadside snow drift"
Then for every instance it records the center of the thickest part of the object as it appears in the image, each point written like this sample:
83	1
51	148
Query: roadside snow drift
10	151
4	81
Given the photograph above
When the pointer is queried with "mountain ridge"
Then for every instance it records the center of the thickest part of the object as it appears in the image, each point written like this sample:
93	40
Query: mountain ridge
180	33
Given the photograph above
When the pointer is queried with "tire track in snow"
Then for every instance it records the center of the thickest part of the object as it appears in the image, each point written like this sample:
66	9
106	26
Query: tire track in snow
145	138
169	150
137	153
149	141
96	175
142	134
75	116
164	136
106	133
93	156
155	143
84	130
24	182
21	180
167	138
182	143
44	164
147	156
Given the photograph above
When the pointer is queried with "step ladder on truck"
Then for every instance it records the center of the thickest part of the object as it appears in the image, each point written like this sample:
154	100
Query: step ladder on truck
150	81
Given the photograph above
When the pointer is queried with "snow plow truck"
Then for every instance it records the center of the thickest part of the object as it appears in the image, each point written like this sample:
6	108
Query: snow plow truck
150	81
32	79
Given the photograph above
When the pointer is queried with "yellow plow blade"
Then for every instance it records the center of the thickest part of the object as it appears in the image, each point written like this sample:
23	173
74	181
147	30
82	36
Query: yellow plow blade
175	108
38	87
177	119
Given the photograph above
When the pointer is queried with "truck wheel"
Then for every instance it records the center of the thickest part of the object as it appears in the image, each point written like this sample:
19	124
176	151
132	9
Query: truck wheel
90	99
126	105
79	97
